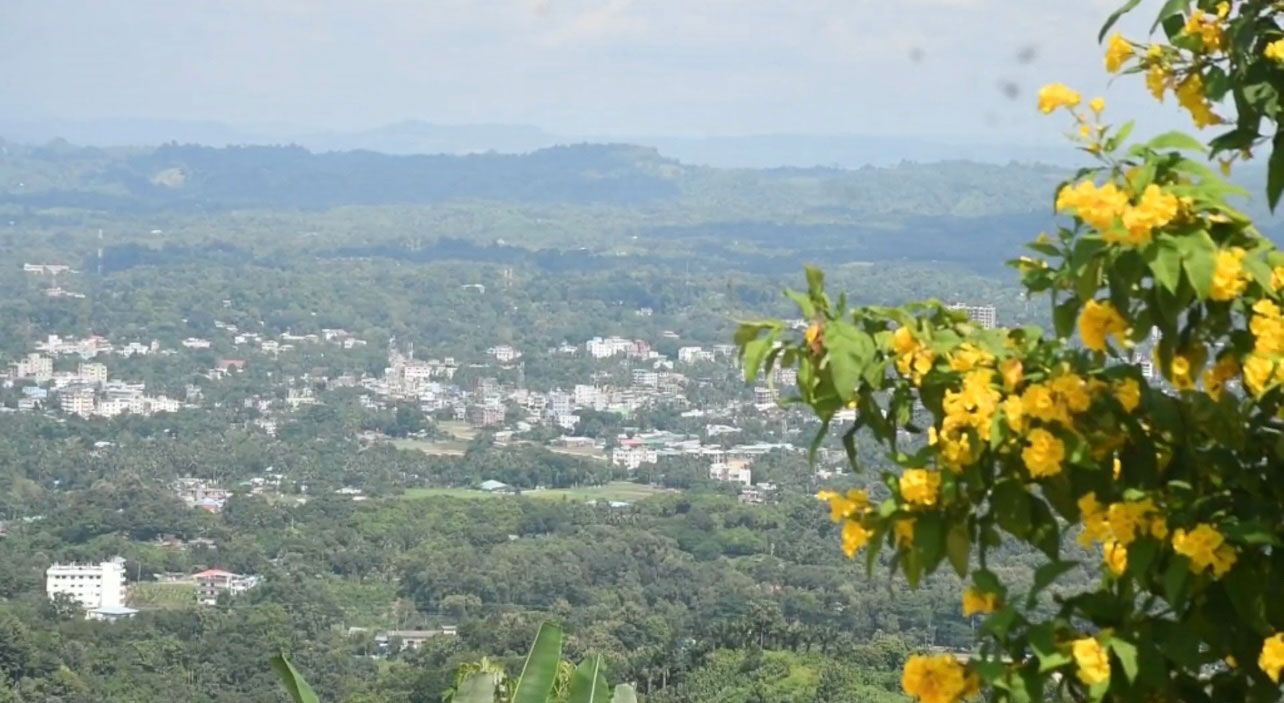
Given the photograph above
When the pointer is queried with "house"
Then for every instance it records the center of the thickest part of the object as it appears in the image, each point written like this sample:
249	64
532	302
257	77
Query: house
110	613
504	354
493	486
212	583
632	453
229	365
196	343
731	471
46	269
392	641
99	585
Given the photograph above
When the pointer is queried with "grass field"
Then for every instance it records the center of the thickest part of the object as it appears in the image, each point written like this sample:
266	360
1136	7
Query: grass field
445	448
617	490
162	596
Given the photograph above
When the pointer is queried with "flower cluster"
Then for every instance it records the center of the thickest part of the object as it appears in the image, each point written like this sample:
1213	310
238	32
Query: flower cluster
938	679
1262	367
1057	95
1098	321
1271	660
921	488
849	509
913	358
1229	277
1110	210
1093	665
1206	548
1121	523
976	601
1209	29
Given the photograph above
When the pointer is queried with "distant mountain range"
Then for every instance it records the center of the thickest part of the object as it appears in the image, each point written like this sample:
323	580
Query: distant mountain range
417	137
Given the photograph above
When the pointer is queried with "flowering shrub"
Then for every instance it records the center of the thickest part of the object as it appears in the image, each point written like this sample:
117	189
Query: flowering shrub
1178	484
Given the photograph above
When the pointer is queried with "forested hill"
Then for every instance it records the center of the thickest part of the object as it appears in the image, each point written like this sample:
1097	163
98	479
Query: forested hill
197	178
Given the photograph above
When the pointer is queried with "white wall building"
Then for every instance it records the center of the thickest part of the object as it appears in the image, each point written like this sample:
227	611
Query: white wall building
92	585
631	454
983	315
600	348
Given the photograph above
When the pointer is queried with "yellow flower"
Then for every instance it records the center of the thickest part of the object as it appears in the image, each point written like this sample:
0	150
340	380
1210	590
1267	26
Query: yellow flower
1116	468
1190	94
1071	390
1055	95
1155	209
1275	51
1012	372
841	507
1128	392
1097	206
1038	401
976	601
1091	659
920	487
855	536
1097	105
1098	321
937	679
1261	373
1180	368
1277	273
1118	51
1116	558
1014	412
1044	453
968	357
1215	378
1229	279
904	531
812	336
1271	660
1126	519
1206	548
903	340
1157	80
1095	526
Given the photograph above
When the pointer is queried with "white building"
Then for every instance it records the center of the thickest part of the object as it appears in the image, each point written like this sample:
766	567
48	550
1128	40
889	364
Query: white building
212	583
983	315
77	401
91	585
733	471
93	372
645	378
34	366
196	343
631	454
692	355
504	353
600	348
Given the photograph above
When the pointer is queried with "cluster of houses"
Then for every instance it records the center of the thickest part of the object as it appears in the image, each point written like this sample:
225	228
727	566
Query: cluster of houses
100	589
88	391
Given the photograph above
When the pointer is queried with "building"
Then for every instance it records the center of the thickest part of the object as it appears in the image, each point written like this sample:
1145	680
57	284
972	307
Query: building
645	378
34	366
110	613
486	415
397	640
46	269
694	355
93	372
196	343
600	348
731	471
77	401
91	585
765	396
212	583
631	454
983	315
504	354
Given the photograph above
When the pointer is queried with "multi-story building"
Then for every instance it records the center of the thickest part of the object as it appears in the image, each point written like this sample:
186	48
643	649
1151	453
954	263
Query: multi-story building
732	471
486	415
504	353
983	315
693	355
37	367
212	583
77	401
91	585
632	453
600	348
93	372
645	378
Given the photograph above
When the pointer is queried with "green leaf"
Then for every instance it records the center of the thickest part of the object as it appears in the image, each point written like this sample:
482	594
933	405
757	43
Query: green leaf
804	303
850	350
295	685
1114	17
1126	653
1176	140
1064	317
624	693
540	669
1199	259
1164	260
478	688
1170	8
1175	579
754	352
1275	170
815	281
957	546
588	682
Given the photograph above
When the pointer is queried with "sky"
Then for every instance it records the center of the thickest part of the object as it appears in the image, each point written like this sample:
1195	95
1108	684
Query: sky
957	68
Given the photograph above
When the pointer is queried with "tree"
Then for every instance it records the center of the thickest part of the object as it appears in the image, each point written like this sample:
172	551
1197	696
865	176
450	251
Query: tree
1032	438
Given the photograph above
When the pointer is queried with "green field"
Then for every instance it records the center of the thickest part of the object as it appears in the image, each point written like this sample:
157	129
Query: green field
616	490
443	448
162	596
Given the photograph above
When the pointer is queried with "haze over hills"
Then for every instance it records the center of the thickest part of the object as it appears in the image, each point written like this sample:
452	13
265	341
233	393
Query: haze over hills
420	137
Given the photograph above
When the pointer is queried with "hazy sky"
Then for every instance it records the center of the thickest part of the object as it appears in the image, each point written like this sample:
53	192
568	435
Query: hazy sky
690	67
